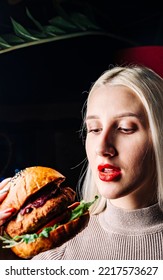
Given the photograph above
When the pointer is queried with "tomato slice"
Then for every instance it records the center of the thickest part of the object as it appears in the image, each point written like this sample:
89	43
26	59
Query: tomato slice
74	205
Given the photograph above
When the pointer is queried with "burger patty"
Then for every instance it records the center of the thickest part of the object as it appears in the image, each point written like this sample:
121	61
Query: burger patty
38	217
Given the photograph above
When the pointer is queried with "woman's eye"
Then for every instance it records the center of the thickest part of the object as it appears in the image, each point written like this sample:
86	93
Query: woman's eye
126	130
94	130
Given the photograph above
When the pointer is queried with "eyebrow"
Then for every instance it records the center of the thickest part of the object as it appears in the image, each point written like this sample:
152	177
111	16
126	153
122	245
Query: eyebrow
122	115
129	114
92	117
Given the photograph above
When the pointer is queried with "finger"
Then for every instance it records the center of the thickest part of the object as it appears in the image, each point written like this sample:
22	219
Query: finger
4	187
3	195
4	183
5	214
1	224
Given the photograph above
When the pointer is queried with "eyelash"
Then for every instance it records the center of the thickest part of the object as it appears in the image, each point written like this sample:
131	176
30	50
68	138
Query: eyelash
126	130
121	129
94	130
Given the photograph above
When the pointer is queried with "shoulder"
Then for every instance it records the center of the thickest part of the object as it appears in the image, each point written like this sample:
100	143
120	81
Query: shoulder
53	254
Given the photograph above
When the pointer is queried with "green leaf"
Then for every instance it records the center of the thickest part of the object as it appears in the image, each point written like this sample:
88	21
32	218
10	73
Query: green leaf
4	44
10	242
13	39
83	22
22	32
53	30
36	22
28	238
63	24
45	232
81	208
38	34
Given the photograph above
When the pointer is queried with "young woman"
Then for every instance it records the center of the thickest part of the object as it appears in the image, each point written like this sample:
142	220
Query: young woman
124	146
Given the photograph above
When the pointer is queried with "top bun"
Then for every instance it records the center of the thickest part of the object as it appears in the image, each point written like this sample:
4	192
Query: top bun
27	182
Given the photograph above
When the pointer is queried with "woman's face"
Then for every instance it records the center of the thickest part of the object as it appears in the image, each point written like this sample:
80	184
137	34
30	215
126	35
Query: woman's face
119	147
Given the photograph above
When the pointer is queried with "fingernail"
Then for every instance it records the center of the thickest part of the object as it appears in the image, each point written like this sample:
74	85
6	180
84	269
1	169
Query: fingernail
9	210
4	190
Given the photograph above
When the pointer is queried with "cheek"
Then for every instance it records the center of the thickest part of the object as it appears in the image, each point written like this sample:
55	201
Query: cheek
90	151
139	159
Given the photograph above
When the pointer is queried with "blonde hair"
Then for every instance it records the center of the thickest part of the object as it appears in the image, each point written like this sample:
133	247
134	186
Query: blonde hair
148	86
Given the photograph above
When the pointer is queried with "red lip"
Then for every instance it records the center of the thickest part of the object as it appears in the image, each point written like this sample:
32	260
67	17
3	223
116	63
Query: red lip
108	173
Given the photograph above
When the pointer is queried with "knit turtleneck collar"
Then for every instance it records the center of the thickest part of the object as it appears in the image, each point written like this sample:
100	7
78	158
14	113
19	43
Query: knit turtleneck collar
121	220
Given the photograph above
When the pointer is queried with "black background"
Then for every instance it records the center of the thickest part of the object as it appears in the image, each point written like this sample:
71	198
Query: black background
43	87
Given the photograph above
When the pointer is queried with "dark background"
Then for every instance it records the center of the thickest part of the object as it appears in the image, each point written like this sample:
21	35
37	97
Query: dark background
43	87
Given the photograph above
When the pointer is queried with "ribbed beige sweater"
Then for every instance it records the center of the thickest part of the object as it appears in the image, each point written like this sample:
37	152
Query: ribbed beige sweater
116	234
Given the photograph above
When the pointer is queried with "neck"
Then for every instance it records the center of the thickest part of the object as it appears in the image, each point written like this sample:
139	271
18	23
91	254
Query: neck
136	200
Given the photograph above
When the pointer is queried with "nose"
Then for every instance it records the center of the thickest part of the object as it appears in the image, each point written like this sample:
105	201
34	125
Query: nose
106	144
106	151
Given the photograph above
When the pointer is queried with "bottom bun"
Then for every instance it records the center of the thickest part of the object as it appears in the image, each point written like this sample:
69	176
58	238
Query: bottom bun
56	238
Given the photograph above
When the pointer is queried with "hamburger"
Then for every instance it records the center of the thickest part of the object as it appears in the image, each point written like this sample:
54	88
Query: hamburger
46	212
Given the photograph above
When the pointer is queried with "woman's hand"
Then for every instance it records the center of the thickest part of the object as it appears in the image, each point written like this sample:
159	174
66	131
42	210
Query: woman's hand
4	188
